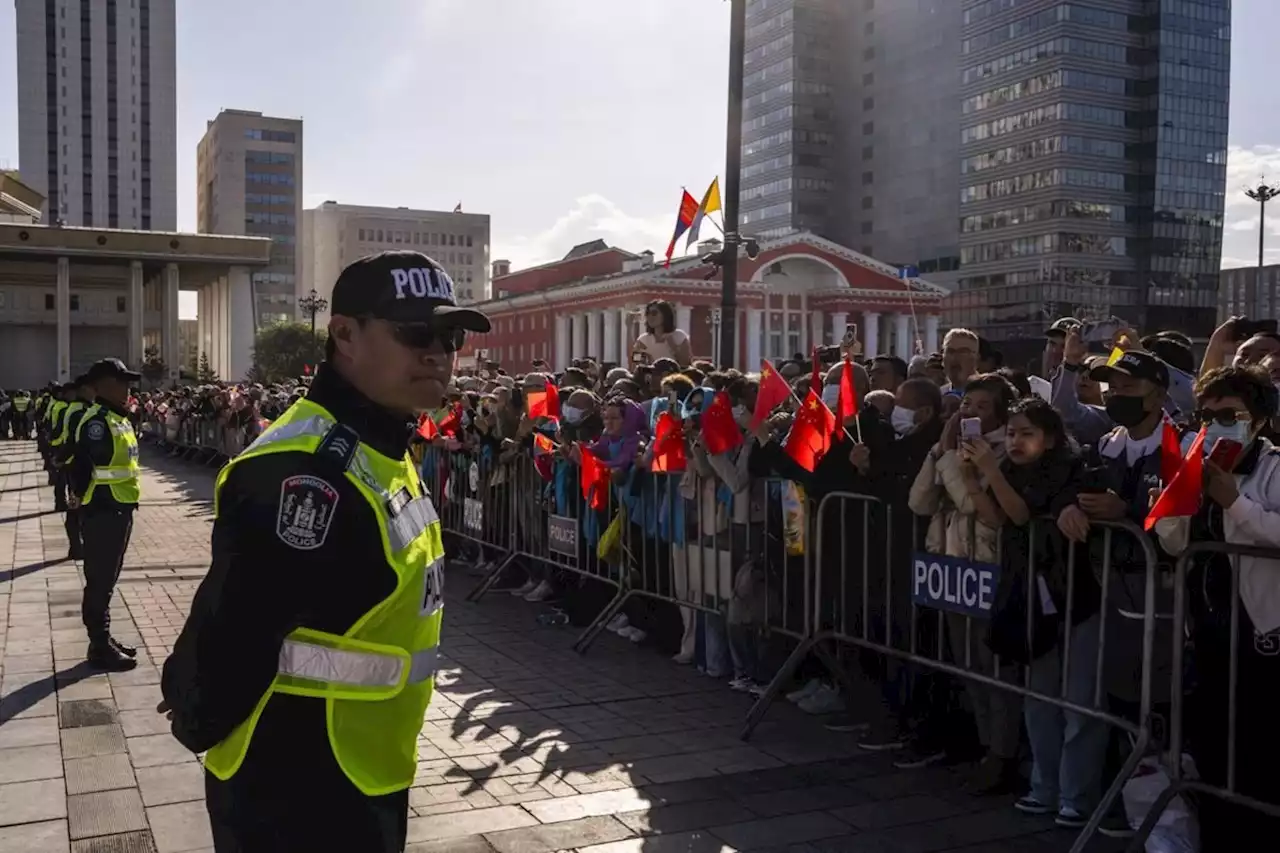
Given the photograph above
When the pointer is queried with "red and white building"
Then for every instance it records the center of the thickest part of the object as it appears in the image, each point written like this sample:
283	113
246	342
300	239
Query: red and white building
800	292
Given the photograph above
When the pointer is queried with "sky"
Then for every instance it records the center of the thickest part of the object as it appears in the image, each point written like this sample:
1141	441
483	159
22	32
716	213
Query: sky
565	120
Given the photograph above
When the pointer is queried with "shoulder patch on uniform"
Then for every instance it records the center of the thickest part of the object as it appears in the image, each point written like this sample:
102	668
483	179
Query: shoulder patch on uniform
339	445
306	510
95	430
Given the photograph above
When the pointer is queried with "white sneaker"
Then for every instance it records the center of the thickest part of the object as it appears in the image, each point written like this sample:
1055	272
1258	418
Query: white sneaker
528	587
683	659
805	692
617	623
826	700
542	592
635	635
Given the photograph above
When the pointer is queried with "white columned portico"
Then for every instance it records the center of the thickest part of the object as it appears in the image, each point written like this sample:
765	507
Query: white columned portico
684	318
755	318
240	331
902	336
578	336
930	334
817	320
595	335
562	342
609	317
871	333
135	316
839	319
169	322
62	303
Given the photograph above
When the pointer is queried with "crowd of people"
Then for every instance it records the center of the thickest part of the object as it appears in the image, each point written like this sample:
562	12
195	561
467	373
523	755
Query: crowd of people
964	458
1047	476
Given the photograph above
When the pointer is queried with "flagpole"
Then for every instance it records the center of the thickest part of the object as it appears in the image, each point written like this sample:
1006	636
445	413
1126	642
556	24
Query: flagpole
732	182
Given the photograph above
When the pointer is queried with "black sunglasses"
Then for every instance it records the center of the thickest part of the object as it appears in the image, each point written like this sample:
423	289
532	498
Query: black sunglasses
1222	417
426	336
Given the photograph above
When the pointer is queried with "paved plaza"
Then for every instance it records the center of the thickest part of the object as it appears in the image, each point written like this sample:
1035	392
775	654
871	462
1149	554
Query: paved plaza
527	748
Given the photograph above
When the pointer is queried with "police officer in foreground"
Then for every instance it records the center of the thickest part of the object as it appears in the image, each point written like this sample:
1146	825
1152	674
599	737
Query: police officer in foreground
103	486
308	660
80	397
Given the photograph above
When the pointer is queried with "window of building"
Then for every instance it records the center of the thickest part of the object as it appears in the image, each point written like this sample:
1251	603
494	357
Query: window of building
868	178
868	151
75	302
868	227
869	78
868	103
120	305
453	239
362	234
48	302
868	128
869	54
868	202
869	27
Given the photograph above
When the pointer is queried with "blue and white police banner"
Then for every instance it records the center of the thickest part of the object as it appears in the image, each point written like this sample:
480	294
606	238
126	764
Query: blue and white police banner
562	535
955	584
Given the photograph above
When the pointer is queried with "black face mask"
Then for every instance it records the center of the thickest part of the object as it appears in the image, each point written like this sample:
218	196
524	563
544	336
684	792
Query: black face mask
1127	412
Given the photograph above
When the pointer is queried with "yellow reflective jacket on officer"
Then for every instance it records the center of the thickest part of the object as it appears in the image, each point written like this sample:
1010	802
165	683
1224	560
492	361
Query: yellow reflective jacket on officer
376	679
120	475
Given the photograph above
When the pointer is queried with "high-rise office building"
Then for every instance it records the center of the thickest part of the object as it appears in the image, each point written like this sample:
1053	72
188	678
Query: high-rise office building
1093	163
249	182
851	126
97	110
334	235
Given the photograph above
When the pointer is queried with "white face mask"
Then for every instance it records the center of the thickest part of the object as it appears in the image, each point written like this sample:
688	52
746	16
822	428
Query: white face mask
903	420
572	414
831	395
739	412
1238	432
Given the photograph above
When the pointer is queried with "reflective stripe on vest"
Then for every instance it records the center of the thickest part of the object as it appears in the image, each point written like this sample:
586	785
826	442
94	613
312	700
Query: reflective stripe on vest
359	669
64	422
376	679
120	476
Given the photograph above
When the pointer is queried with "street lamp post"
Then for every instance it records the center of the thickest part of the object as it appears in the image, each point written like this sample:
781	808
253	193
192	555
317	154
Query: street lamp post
313	304
1262	194
732	181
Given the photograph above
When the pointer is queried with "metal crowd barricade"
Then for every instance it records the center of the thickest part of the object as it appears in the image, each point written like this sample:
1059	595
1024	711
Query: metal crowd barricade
475	498
830	621
1179	784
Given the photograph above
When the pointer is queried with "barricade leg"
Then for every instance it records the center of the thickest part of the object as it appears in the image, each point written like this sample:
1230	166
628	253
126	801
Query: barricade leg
776	685
593	630
490	579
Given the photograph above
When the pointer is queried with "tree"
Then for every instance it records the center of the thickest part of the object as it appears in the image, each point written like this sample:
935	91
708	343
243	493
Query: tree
153	367
204	370
282	350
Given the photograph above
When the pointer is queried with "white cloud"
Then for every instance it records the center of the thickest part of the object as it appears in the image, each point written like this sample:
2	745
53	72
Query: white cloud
592	217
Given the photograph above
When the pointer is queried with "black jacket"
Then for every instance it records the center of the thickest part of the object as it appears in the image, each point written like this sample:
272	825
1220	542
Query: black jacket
259	588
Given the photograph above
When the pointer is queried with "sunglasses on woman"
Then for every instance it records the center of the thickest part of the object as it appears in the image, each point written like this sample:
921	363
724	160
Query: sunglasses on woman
1222	417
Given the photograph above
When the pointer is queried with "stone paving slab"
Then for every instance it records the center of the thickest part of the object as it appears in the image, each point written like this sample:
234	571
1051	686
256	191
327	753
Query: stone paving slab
527	747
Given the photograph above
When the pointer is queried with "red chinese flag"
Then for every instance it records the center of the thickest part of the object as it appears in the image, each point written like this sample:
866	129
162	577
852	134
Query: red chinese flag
719	431
668	446
452	422
1170	452
773	392
817	380
594	480
847	407
427	428
1181	497
810	436
543	404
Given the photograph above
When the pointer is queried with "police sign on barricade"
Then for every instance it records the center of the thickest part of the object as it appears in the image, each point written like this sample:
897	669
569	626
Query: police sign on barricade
929	608
1245	780
473	498
206	440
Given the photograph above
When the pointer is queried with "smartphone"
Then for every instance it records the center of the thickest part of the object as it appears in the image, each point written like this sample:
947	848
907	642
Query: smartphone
970	429
1225	453
1094	481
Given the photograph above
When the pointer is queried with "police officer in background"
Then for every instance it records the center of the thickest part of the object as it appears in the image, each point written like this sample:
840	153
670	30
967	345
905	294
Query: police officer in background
22	415
308	660
80	396
103	485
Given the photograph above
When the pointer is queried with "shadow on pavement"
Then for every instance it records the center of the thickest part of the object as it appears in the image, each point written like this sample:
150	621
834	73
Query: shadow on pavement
9	575
13	519
28	695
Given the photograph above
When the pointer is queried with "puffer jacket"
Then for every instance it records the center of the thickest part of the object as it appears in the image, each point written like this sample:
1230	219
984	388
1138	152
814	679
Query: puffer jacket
939	494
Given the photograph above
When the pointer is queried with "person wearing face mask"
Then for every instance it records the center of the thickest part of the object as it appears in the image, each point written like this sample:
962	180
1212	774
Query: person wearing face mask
1241	506
947	491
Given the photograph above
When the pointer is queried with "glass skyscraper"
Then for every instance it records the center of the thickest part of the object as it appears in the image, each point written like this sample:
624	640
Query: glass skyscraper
1093	164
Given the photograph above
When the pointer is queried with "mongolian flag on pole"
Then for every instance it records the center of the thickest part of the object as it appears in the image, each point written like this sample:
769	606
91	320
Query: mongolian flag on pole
710	204
684	219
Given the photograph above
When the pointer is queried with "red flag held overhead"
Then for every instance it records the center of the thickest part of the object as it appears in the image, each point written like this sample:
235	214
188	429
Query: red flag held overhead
720	432
847	406
1181	496
668	446
810	436
594	480
773	392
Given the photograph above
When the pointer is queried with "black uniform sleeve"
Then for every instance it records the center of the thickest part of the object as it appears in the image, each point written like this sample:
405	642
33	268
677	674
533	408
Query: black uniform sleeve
95	447
271	572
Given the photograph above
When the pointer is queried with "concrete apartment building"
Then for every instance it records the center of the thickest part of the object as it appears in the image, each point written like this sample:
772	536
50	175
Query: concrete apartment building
334	235
1237	296
249	181
97	111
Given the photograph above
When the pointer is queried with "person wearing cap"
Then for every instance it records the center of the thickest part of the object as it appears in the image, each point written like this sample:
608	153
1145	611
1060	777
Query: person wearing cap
1054	340
308	659
80	397
103	485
